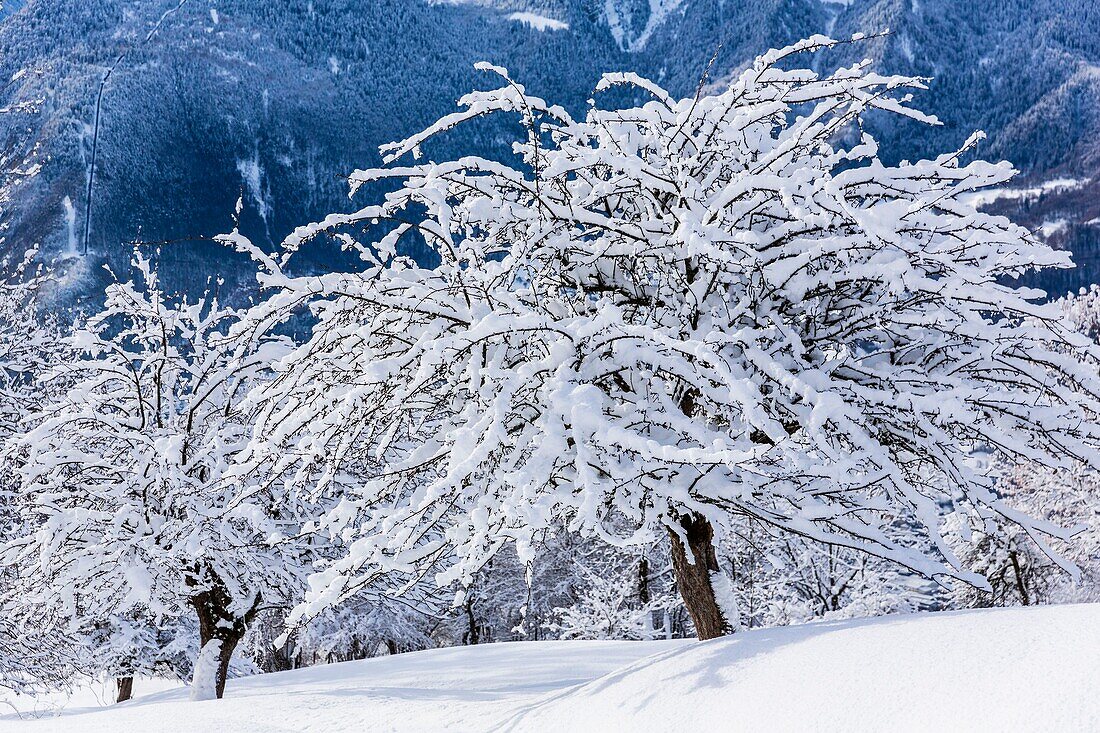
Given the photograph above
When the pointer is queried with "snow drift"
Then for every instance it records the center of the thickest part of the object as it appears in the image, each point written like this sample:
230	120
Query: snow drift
1019	669
1030	669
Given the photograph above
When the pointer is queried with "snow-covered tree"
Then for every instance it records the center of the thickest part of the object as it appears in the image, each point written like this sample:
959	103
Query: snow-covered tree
514	600
612	601
29	343
37	651
1017	572
130	490
362	628
130	645
780	578
1083	311
672	317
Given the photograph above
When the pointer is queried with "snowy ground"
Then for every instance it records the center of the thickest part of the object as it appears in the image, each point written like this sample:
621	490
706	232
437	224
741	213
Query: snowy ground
91	695
1032	669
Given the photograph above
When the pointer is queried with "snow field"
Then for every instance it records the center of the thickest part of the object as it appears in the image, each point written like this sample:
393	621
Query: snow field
1033	669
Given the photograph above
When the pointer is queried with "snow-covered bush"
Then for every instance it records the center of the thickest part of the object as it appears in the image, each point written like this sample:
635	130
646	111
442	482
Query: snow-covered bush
670	318
1083	311
133	645
370	627
611	604
513	600
130	494
781	579
35	651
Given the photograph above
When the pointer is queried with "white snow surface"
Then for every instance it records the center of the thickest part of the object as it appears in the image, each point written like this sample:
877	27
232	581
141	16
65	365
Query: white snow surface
1050	228
1007	669
659	10
984	198
538	22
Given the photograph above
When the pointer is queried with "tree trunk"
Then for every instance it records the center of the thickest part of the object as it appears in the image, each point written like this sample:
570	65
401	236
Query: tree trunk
472	635
357	651
217	623
125	688
1021	586
693	566
278	659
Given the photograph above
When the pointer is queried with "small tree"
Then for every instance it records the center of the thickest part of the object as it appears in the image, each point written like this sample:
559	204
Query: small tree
1083	311
129	488
608	604
135	645
36	651
667	316
360	629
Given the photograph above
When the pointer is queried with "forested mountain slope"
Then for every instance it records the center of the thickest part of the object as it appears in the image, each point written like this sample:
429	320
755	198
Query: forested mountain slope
277	101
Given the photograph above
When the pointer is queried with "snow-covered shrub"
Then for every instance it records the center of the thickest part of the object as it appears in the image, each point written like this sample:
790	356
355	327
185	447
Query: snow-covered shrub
135	645
369	628
609	605
781	579
129	492
1083	311
37	650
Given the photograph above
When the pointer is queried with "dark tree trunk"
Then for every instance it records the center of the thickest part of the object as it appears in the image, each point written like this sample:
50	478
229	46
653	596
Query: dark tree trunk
643	589
472	635
278	660
1021	586
693	566
357	652
217	622
125	688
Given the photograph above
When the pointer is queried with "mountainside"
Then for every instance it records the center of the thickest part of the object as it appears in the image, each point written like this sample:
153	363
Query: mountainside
1027	74
1028	669
277	101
